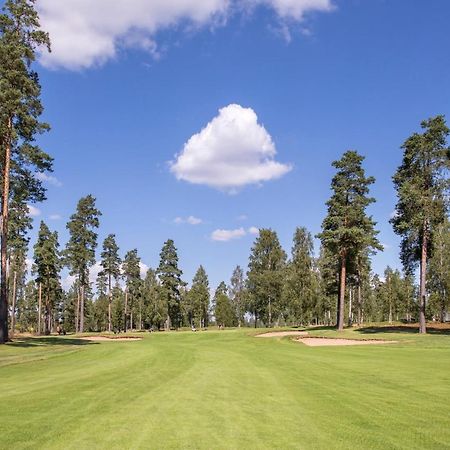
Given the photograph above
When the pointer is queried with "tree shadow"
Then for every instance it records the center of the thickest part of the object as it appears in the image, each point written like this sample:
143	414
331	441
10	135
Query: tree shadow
24	342
412	329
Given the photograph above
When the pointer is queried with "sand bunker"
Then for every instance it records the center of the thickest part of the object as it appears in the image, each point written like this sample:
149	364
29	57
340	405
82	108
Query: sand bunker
106	338
319	342
282	334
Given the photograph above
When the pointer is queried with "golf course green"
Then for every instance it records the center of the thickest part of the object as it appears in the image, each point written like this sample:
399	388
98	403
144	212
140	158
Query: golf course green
226	389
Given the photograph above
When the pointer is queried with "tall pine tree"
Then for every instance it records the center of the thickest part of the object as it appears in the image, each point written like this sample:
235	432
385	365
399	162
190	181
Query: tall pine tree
80	250
347	230
265	276
132	273
169	276
47	265
422	185
20	110
110	263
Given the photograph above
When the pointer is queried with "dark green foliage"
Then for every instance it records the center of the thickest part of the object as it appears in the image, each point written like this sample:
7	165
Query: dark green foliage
347	231
47	265
169	276
265	276
223	308
422	185
118	309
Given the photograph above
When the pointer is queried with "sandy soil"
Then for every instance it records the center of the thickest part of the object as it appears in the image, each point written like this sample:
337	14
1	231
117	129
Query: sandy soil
105	338
319	342
282	334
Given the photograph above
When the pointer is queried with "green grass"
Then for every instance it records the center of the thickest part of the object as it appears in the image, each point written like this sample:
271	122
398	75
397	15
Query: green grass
225	389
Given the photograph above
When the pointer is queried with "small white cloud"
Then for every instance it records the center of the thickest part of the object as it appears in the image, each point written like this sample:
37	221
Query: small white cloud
242	217
54	217
253	230
34	212
232	151
191	220
49	179
227	235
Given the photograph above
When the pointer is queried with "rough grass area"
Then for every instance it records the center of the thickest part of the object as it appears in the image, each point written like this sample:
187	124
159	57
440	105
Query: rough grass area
226	389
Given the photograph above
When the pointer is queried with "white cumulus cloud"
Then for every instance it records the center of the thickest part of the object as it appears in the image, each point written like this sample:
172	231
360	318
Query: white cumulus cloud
49	179
86	33
232	151
253	230
34	212
227	235
55	217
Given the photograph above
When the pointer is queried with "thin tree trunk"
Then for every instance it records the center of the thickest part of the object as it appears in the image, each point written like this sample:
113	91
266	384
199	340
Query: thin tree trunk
350	301
131	319
82	308
48	315
125	311
77	311
6	163
270	313
39	307
13	312
109	302
359	299
341	298
423	280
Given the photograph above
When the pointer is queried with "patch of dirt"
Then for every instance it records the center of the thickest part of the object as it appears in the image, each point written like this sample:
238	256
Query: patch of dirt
320	342
106	338
282	334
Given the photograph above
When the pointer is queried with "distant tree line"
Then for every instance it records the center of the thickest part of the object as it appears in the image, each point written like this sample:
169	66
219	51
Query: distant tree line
337	287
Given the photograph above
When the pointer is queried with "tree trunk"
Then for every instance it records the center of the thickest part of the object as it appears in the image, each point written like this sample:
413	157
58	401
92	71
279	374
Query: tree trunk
270	313
77	311
423	280
13	312
39	308
81	308
350	301
131	319
341	298
359	299
109	302
125	311
48	315
6	163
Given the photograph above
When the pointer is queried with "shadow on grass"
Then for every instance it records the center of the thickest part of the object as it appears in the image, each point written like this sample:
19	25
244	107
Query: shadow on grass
47	341
413	329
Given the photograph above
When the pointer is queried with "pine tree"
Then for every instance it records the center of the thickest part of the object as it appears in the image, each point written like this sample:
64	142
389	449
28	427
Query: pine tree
223	308
237	294
298	290
347	231
20	109
110	263
132	273
422	185
155	305
198	298
47	266
265	276
80	250
169	276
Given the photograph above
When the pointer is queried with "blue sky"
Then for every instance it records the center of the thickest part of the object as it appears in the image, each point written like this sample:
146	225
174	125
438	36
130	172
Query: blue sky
125	95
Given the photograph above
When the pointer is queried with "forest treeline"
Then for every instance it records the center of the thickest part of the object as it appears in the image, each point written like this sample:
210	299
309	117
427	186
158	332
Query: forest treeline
338	287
